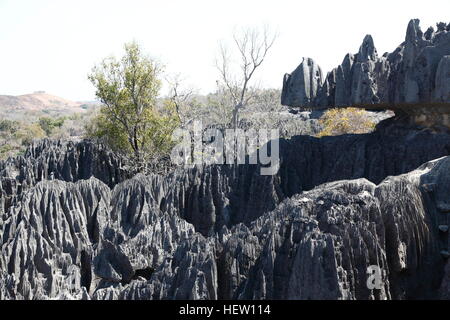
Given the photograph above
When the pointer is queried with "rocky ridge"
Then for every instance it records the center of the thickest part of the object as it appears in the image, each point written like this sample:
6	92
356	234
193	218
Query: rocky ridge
417	71
76	225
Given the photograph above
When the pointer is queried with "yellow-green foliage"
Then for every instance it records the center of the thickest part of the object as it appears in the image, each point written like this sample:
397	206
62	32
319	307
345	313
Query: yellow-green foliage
15	136
155	139
49	124
129	120
340	121
30	132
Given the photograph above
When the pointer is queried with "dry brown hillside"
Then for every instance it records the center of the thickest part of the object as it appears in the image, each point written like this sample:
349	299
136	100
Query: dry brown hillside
39	101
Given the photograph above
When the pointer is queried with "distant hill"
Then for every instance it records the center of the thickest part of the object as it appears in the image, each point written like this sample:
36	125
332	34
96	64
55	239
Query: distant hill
41	101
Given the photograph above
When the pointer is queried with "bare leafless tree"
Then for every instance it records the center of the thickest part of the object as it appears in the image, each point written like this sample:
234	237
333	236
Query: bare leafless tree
252	47
179	94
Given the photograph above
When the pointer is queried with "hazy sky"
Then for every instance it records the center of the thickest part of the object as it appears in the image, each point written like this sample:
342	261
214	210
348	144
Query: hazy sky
51	45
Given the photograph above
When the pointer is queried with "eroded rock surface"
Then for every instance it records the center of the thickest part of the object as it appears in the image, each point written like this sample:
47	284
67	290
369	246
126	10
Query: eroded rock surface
300	87
221	232
47	160
81	240
415	72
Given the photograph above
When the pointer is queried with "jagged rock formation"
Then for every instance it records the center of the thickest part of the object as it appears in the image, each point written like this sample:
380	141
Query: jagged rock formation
318	245
222	232
416	72
47	160
442	91
301	87
213	196
80	240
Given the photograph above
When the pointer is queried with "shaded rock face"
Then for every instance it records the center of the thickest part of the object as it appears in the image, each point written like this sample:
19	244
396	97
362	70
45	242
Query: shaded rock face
442	91
300	87
46	237
83	241
416	72
72	241
47	160
211	197
222	232
318	245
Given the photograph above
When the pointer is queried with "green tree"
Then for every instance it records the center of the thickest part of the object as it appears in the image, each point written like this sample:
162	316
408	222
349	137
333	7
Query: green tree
130	121
48	124
9	126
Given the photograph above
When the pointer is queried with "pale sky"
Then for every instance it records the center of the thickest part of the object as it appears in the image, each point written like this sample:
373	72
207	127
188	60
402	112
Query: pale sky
52	45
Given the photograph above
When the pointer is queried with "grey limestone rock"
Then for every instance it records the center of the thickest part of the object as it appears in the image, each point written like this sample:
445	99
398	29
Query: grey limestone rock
221	232
415	72
300	87
442	91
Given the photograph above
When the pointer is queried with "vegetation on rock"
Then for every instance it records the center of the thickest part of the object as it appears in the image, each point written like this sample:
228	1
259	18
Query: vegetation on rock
339	121
130	120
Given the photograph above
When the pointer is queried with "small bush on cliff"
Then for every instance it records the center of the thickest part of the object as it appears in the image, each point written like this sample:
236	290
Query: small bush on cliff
340	121
130	121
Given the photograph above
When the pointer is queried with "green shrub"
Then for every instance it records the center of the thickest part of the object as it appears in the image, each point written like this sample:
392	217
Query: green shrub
48	124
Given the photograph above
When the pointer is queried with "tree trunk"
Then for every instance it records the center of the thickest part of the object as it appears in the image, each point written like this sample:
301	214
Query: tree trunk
235	117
